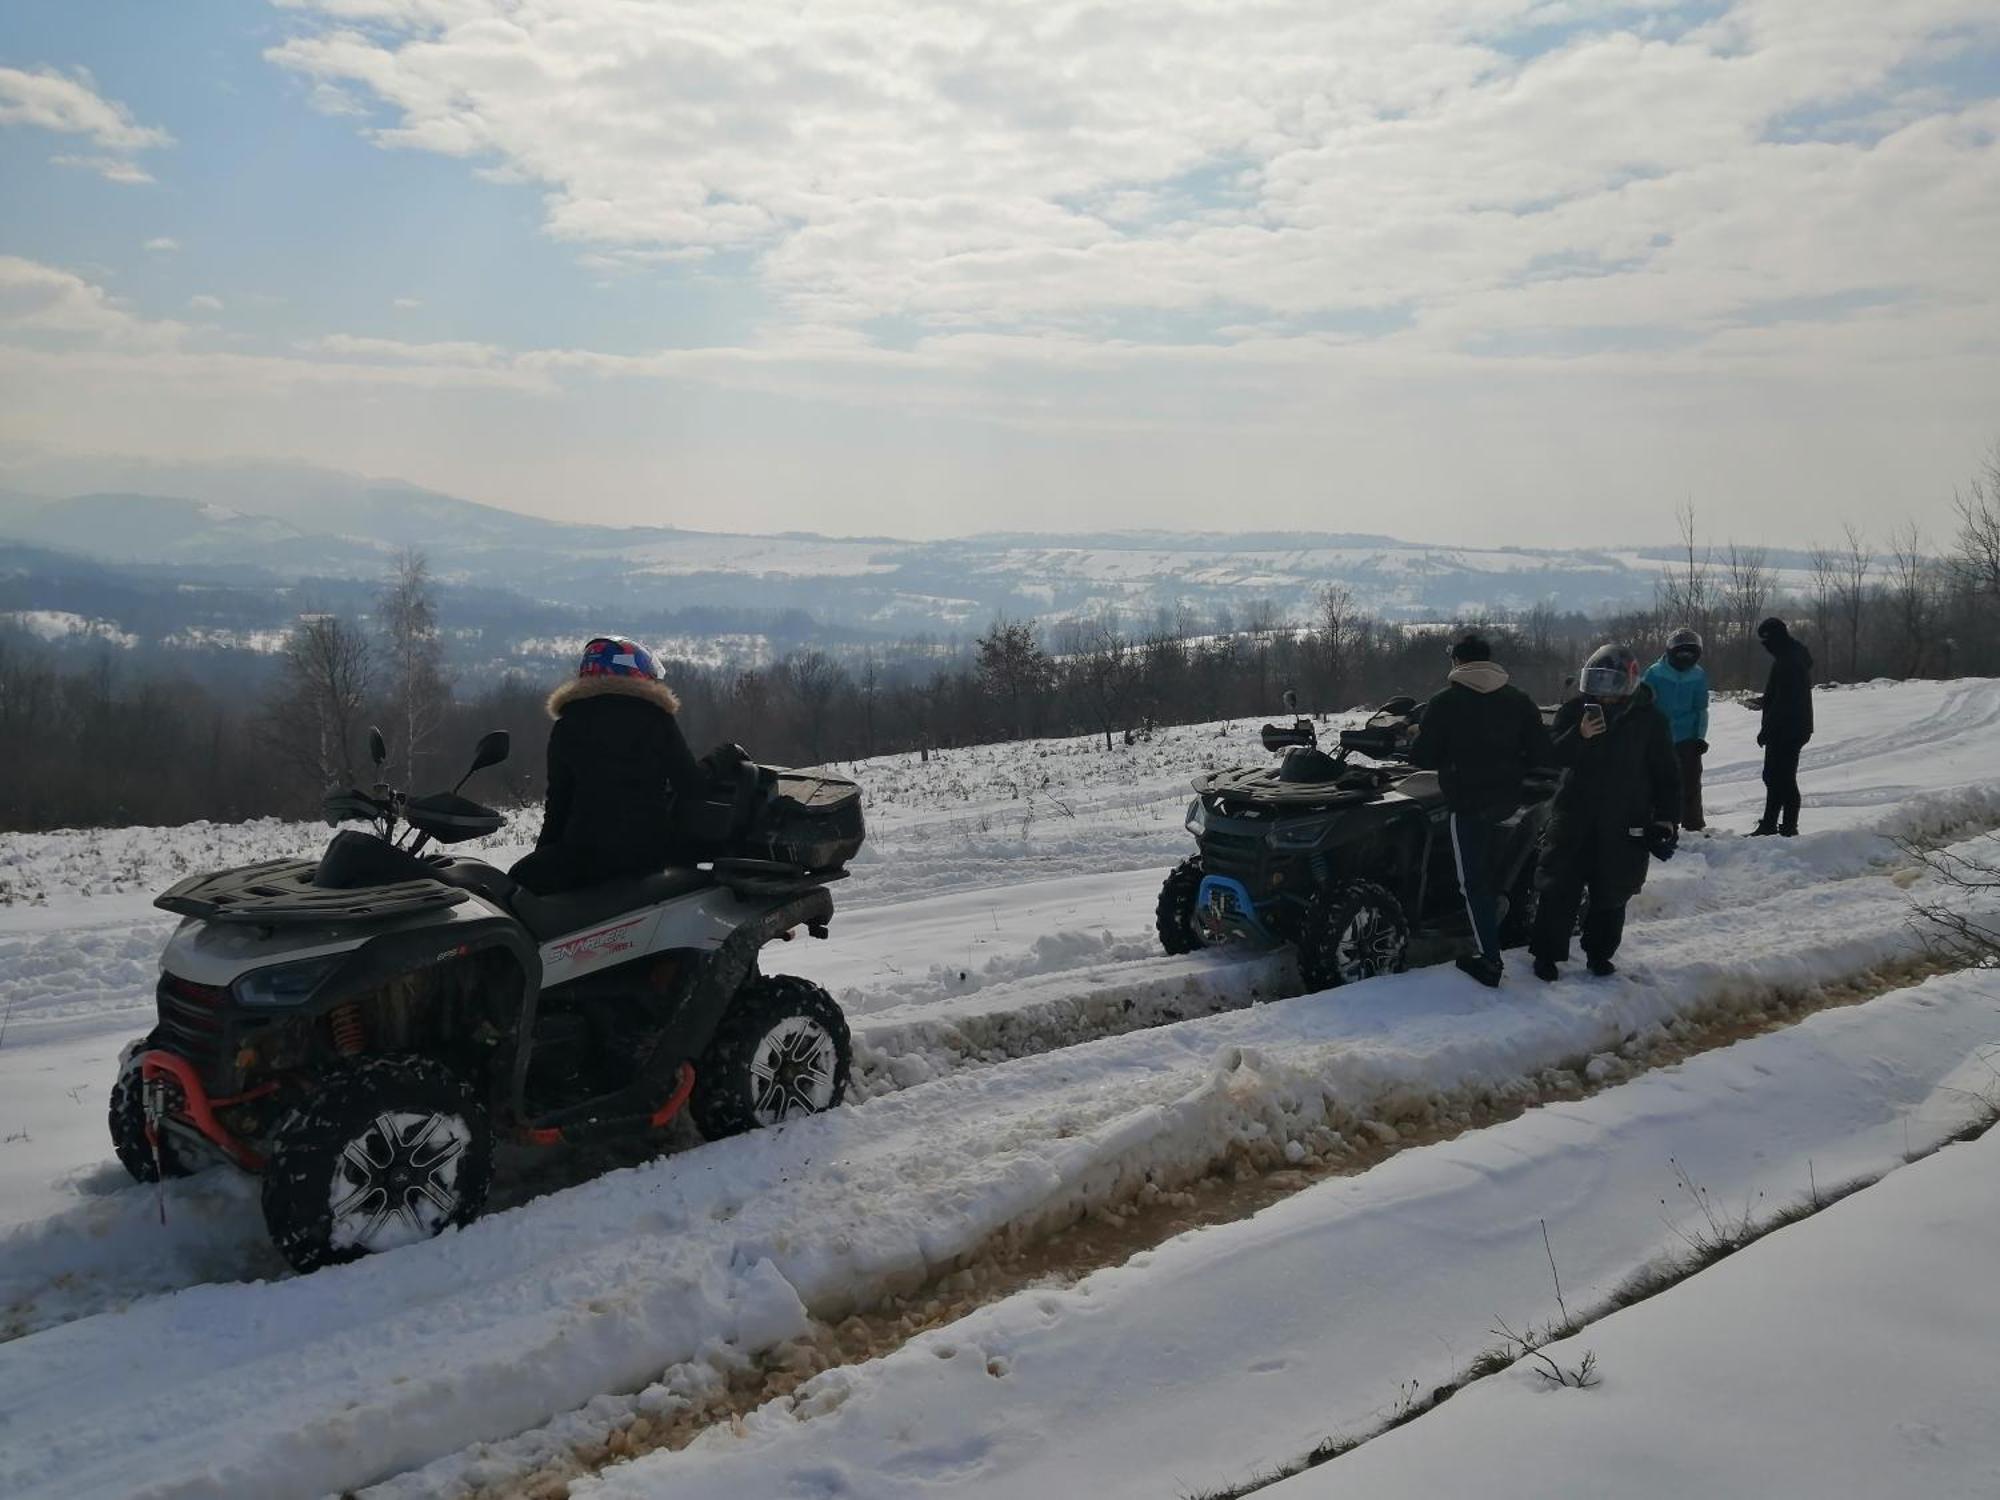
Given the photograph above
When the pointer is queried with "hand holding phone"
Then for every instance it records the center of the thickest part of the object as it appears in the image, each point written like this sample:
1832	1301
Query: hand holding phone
1592	723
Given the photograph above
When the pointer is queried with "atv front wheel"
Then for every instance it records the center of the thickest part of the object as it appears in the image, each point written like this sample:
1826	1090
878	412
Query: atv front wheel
128	1122
1352	932
781	1052
389	1152
1174	915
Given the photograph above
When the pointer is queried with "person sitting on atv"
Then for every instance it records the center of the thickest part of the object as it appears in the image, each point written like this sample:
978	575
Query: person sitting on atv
1481	735
1616	807
617	764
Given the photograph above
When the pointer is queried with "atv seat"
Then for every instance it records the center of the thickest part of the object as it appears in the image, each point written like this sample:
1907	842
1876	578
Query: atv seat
571	911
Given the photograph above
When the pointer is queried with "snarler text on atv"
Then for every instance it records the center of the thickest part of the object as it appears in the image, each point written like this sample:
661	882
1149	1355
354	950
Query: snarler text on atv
1349	860
359	1029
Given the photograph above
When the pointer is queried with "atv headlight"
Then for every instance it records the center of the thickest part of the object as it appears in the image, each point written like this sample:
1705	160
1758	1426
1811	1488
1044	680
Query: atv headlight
1296	835
1196	819
286	984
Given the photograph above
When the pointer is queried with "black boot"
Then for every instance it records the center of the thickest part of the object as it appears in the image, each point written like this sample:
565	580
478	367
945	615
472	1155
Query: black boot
1603	968
1789	831
1763	831
1486	970
1545	970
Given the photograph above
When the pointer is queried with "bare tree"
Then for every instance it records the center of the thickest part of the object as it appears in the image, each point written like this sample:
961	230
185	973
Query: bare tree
1686	593
1856	562
813	680
413	658
1913	595
1825	565
1338	616
1103	668
315	721
1746	594
1013	670
1978	558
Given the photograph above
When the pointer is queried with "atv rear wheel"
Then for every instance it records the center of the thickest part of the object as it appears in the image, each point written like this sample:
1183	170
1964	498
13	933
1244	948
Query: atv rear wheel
781	1052
1174	915
1352	932
389	1152
128	1122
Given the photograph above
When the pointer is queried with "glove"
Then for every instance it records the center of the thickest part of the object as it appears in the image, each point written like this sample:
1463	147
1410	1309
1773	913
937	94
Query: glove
1661	840
1760	740
1701	747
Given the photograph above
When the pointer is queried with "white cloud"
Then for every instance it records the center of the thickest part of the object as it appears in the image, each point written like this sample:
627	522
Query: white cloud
44	304
117	169
406	304
163	244
205	302
70	105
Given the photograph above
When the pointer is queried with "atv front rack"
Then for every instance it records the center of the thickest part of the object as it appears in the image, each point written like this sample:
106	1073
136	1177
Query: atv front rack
281	893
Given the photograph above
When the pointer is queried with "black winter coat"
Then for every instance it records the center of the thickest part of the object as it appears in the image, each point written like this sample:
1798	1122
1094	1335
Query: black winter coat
1788	705
1624	778
1481	743
617	763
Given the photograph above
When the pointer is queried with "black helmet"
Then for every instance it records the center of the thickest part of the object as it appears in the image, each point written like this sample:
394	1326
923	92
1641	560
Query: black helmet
1612	672
1684	647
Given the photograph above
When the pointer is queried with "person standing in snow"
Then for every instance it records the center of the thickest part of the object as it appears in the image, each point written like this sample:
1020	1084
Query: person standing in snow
1680	687
1787	708
1481	735
1615	809
618	762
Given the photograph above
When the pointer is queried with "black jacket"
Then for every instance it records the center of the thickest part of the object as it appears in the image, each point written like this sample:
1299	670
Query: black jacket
617	761
1788	705
1624	778
1481	735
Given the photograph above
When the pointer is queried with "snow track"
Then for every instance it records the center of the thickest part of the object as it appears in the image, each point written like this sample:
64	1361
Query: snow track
1028	1056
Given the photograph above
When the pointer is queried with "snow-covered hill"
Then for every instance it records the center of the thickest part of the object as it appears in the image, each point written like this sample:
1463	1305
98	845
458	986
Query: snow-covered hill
1027	1057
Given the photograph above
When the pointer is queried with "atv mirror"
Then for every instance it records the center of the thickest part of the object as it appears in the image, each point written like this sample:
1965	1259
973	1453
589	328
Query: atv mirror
378	748
1291	700
492	749
1278	737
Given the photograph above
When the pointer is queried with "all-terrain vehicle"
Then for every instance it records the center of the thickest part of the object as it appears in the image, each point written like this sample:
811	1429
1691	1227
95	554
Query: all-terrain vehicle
1348	860
359	1029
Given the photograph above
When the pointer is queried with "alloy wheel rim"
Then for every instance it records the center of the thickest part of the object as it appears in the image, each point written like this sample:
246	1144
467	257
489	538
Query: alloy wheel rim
396	1182
792	1071
1368	945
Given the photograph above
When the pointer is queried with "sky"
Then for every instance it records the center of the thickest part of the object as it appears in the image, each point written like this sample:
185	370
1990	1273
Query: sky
1527	272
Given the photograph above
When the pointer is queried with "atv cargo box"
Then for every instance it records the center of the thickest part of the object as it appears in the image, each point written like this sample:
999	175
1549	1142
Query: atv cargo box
808	819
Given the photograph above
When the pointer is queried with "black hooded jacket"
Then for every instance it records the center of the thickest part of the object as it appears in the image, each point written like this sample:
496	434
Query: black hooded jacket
617	763
1481	735
1623	779
1788	705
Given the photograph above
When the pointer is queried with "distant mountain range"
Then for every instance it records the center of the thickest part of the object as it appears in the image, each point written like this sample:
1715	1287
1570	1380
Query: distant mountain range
225	565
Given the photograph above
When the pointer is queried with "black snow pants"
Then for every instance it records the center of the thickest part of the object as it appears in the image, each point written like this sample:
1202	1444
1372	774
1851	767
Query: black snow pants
1560	890
1473	835
1781	785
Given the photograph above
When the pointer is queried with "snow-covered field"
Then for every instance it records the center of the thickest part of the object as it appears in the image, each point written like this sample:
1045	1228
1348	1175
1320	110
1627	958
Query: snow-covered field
1026	1057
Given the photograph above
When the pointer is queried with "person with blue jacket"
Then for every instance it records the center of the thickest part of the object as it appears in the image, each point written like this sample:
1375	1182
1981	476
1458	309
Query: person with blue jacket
1680	688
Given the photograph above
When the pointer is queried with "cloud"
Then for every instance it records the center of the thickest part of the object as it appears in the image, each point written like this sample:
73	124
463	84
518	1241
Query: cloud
406	304
163	244
1436	166
70	105
43	305
111	168
205	302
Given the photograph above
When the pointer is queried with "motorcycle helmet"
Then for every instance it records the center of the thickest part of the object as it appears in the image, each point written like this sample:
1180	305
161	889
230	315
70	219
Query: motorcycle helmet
1611	674
1684	648
614	656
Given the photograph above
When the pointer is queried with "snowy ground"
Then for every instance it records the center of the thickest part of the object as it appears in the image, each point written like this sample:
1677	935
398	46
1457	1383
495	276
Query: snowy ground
1026	1056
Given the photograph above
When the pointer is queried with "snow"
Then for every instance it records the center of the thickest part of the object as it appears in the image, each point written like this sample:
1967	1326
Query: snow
62	624
1849	1354
1024	1056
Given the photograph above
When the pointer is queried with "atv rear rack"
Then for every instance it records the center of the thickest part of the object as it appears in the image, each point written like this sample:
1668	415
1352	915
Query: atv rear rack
281	893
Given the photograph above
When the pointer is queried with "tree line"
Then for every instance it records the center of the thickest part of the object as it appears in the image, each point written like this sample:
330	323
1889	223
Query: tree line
105	745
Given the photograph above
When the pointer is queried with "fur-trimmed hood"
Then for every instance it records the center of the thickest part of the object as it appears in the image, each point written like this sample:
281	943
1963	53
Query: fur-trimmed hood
646	689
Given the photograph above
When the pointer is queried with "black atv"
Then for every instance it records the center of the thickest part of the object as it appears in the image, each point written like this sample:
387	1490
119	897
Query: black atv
358	1029
1349	860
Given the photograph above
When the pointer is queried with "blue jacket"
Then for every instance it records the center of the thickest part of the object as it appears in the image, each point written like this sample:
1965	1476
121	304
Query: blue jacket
1682	697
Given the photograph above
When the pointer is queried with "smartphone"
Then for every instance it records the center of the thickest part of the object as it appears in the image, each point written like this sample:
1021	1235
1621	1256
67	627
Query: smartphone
1594	712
